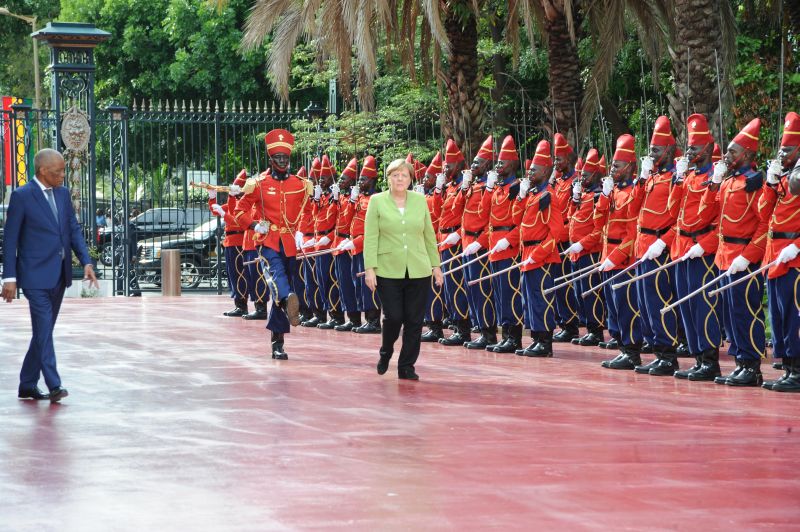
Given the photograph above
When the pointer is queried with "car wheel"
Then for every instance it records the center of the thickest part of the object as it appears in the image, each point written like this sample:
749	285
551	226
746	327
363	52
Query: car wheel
106	255
190	274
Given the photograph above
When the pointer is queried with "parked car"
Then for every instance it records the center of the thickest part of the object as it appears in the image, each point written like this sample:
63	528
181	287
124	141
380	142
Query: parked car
154	223
198	249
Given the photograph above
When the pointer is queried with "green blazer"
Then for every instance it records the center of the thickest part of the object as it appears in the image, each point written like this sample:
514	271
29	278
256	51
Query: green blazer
394	242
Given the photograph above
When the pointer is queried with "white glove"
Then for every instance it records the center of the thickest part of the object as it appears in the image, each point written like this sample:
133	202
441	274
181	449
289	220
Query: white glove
774	171
527	261
608	185
317	192
234	190
524	187
324	241
467	178
552	179
472	248
502	245
298	239
419	189
309	244
647	167
440	178
335	191
261	228
354	192
577	190
681	166
212	194
720	171
788	254
655	250
491	179
346	245
577	247
695	252
739	264
607	265
451	239
217	208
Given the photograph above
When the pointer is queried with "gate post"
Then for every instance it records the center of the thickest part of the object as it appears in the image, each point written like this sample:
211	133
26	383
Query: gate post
118	168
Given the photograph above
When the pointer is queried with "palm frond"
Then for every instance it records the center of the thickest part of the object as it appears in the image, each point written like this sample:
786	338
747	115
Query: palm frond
434	17
280	60
261	21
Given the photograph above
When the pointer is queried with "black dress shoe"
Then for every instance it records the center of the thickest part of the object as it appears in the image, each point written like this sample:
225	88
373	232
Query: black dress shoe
488	336
240	310
313	322
723	379
666	367
707	372
277	351
684	373
747	377
330	324
383	364
605	363
432	335
259	313
57	394
611	344
791	384
347	326
540	350
645	369
589	339
33	393
408	374
456	338
626	362
371	327
682	350
565	335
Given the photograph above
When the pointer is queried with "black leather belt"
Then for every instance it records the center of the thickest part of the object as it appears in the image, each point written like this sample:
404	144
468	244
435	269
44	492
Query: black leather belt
788	236
234	233
531	242
309	234
476	234
614	240
502	228
323	233
449	229
735	240
654	232
342	235
694	234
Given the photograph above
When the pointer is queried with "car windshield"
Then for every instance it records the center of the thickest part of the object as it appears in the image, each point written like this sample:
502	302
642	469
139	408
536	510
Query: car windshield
205	229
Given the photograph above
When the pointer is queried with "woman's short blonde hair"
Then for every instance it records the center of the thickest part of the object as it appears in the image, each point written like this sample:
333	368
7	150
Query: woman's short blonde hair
398	164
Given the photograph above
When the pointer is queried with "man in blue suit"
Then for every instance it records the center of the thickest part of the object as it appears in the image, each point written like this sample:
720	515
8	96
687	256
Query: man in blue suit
41	233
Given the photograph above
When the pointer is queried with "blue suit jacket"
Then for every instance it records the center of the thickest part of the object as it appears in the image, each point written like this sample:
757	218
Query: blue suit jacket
36	249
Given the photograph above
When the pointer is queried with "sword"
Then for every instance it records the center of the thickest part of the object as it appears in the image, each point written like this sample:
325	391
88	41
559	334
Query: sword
578	272
743	279
570	281
696	292
504	270
646	274
601	285
451	259
319	253
476	259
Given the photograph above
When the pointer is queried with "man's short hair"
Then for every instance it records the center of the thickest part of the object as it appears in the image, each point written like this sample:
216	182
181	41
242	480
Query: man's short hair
43	157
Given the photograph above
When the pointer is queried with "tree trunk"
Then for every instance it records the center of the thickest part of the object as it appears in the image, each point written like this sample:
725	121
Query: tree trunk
564	73
499	68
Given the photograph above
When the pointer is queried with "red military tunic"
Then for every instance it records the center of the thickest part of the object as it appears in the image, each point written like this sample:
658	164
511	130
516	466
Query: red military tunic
581	224
651	201
741	229
782	211
344	219
474	219
498	206
452	211
617	219
324	213
434	201
250	236
280	203
540	226
694	220
234	233
562	200
359	220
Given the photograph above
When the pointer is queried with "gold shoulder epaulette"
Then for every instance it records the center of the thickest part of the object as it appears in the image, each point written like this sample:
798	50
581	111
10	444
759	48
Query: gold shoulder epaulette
250	185
308	184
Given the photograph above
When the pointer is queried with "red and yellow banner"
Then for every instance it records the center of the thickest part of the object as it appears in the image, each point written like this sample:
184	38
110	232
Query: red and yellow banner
14	149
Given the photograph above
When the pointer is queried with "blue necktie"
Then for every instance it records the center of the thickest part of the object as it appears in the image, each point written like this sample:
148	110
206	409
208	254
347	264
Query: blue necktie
52	201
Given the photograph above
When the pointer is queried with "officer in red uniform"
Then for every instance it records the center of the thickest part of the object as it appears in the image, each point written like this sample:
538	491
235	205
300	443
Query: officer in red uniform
435	309
695	242
278	199
311	300
782	211
475	238
448	186
736	188
587	244
655	235
615	213
499	199
340	193
539	229
259	291
567	306
360	194
239	281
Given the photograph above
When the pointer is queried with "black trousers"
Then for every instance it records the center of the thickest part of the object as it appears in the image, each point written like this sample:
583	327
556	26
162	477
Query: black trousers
403	306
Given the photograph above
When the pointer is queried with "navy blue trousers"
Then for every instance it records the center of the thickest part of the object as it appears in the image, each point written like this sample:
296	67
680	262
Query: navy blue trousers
627	320
328	285
700	315
239	279
507	293
347	286
480	297
259	292
312	296
654	293
455	293
366	299
434	309
591	309
784	313
745	315
540	308
41	356
279	278
566	300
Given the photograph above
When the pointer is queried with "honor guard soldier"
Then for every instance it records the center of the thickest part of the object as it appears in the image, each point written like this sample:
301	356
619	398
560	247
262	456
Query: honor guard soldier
368	300
695	243
651	194
502	188
474	238
736	188
540	228
587	245
340	193
279	199
782	210
324	212
449	188
435	309
304	240
259	291
615	214
237	273
567	304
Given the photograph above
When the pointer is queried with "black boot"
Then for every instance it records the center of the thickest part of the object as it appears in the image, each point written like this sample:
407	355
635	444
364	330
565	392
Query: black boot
684	373
567	333
337	318
513	341
791	384
723	379
611	344
260	312
373	324
543	347
629	360
504	339
435	331
667	363
645	368
647	349
319	317
593	337
353	321
291	306
459	336
682	350
521	350
709	370
778	365
749	376
240	309
488	336
787	371
277	347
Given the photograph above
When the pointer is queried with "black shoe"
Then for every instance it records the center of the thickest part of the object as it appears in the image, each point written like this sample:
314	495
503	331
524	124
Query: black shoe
346	326
331	324
777	365
433	334
606	363
791	383
666	367
57	394
566	335
259	313
787	372
750	375
239	311
490	347
407	373
521	351
291	306
383	363
488	336
476	329
723	379
456	338
611	344
277	347
540	350
629	360
372	326
709	371
645	369
589	339
684	373
513	341
647	349
313	322
682	350
34	393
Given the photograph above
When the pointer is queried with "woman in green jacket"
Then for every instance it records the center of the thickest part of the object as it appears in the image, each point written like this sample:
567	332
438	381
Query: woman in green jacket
399	254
